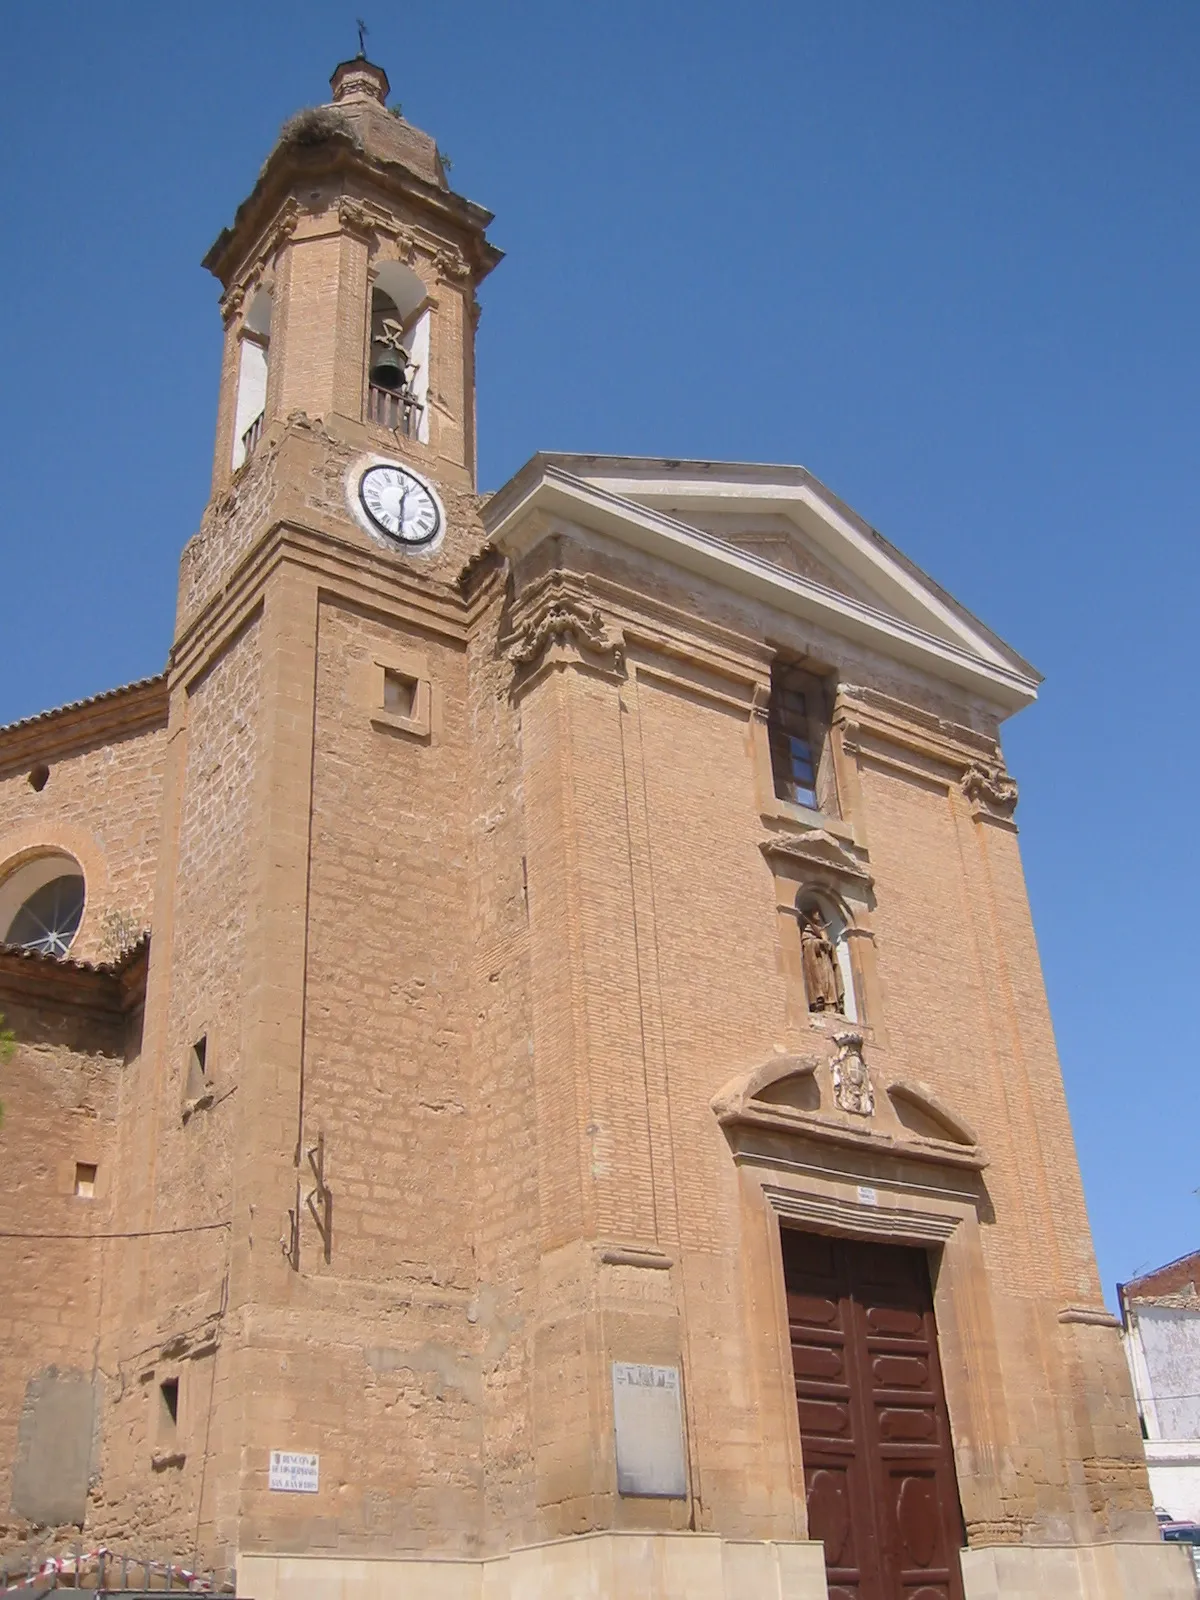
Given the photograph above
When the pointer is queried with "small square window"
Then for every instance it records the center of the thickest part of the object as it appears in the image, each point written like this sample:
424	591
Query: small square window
399	692
85	1180
401	695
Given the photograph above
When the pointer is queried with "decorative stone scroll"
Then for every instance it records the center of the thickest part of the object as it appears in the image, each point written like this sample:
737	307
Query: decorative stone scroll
279	232
566	622
232	301
989	791
452	266
852	1089
365	219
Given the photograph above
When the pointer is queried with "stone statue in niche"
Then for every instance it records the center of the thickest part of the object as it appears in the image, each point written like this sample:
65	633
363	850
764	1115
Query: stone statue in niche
822	975
852	1089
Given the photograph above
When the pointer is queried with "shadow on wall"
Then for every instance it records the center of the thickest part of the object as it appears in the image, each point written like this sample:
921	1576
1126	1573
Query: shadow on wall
55	1448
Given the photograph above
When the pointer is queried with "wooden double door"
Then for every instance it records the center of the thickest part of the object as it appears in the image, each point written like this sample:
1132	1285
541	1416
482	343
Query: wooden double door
878	1460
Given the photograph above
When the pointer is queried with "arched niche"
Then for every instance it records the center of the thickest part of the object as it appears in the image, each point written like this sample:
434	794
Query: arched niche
818	902
253	355
398	364
818	867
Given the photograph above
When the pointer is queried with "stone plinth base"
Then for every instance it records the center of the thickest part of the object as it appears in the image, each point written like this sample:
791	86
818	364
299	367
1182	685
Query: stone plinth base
1085	1572
703	1566
598	1566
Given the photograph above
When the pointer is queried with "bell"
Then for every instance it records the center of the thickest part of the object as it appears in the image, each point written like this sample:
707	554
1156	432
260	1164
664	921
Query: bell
389	368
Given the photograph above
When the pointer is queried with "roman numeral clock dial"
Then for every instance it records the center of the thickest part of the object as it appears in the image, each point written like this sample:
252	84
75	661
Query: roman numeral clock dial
400	505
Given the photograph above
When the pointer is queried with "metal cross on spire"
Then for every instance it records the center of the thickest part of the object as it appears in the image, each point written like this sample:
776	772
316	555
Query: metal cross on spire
363	30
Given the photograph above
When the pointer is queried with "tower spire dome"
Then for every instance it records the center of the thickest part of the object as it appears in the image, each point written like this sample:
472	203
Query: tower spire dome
359	80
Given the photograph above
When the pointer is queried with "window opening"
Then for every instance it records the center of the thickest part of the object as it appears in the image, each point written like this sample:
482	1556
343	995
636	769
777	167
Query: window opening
399	693
39	776
398	369
169	1390
796	725
251	408
49	919
197	1086
85	1180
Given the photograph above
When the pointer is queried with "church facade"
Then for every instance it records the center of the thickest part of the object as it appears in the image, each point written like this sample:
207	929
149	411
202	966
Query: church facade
529	1072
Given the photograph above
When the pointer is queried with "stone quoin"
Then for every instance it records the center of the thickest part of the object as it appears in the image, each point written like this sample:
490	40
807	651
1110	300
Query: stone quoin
532	1075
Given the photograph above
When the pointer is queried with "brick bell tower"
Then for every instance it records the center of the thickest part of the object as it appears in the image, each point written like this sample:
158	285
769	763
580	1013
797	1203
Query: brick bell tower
312	895
349	278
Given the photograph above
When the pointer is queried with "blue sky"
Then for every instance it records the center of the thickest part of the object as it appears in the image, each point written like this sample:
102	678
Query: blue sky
944	255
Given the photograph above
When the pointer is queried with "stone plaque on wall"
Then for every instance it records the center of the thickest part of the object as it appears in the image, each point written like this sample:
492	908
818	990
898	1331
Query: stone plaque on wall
648	1420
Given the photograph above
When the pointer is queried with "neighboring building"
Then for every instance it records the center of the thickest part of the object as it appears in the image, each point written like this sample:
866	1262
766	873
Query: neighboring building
1161	1313
586	1120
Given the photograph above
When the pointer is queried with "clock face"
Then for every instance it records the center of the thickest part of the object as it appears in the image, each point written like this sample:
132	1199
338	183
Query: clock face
400	504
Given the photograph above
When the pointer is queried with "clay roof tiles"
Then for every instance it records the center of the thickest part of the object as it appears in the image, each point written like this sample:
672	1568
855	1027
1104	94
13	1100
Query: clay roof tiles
82	705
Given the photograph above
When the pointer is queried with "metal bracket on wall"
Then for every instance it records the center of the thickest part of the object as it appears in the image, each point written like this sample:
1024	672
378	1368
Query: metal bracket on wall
290	1245
320	1199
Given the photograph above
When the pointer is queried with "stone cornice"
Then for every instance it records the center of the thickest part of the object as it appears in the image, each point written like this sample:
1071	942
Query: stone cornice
865	715
116	714
291	166
363	575
819	1128
654	627
568	503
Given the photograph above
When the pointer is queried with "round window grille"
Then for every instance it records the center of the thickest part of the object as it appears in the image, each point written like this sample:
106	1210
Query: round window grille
49	919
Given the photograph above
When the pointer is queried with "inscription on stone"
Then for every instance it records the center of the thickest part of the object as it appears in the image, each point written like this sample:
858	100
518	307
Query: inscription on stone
648	1419
294	1473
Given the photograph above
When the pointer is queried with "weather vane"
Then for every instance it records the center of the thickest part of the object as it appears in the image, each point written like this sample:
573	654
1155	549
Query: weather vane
363	30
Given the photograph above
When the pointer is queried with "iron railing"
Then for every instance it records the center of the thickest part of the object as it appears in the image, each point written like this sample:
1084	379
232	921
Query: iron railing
394	409
253	433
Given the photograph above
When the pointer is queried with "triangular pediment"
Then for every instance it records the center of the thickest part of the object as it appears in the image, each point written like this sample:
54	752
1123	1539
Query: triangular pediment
775	538
775	534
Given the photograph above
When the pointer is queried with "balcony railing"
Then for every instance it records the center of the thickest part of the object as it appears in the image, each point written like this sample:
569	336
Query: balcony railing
253	434
394	409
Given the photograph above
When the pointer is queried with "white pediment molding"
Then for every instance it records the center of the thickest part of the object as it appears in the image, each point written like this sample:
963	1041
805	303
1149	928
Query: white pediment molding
928	630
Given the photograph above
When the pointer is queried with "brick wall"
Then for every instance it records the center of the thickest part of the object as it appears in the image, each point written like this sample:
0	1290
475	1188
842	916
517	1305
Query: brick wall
100	803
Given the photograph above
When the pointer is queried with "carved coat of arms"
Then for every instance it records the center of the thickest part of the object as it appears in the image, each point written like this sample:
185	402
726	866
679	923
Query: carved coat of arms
852	1089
